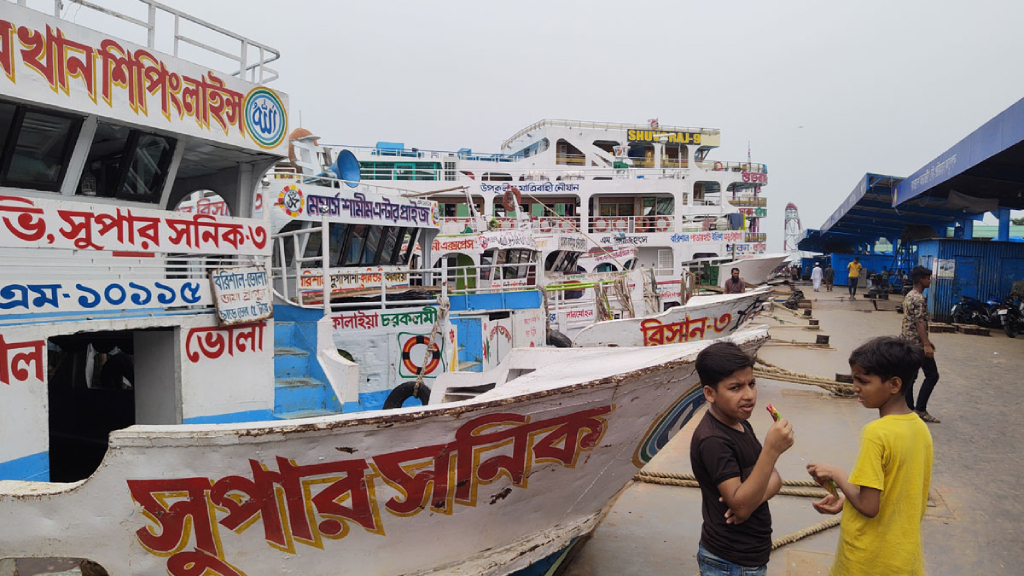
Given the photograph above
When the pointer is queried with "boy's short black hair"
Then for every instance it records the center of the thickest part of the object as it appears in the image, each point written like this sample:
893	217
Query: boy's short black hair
888	357
919	273
718	361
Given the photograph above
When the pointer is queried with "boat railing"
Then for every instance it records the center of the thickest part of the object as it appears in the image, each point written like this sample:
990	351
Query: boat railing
251	67
574	171
308	283
632	224
601	126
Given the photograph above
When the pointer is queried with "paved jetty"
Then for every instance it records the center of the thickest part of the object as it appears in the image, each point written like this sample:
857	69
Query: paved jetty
975	525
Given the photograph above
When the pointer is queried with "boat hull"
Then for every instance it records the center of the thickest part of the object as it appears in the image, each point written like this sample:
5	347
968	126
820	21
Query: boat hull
702	318
754	270
485	486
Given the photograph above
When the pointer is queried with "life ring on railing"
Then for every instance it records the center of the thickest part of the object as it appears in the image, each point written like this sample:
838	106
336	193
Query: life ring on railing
565	224
545	225
403	392
718	167
620	224
410	365
600	225
662	224
511	199
645	224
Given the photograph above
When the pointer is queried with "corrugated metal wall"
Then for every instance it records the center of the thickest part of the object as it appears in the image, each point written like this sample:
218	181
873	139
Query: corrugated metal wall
982	269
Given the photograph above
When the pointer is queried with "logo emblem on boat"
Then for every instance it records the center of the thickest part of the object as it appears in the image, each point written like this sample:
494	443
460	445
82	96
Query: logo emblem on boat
265	117
290	200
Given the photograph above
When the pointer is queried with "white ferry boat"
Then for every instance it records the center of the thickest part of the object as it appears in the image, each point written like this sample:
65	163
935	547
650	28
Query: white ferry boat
154	391
644	186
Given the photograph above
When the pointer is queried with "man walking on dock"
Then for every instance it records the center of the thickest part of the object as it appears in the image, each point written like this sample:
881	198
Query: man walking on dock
854	276
915	331
830	276
816	276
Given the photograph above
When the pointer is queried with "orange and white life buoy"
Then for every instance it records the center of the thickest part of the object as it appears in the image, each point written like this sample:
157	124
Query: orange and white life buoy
565	225
620	224
600	225
645	224
662	224
718	166
545	224
511	199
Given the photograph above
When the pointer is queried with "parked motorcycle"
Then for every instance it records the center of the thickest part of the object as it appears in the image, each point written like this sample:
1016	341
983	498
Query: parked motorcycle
1011	315
973	311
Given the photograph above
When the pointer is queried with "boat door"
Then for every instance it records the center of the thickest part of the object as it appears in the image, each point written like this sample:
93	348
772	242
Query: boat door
99	382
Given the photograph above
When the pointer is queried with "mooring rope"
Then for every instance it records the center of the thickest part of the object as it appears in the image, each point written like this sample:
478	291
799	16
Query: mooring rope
688	481
773	372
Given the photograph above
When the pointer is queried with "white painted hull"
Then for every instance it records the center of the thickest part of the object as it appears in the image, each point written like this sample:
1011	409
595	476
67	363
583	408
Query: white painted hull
753	270
702	318
350	494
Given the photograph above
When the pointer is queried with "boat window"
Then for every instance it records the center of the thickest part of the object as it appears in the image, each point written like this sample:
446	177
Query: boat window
106	173
371	245
485	264
386	251
413	236
37	149
337	233
151	156
554	260
396	250
354	246
6	121
500	271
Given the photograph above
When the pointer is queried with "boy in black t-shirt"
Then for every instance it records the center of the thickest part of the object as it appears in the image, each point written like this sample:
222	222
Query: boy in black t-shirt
736	476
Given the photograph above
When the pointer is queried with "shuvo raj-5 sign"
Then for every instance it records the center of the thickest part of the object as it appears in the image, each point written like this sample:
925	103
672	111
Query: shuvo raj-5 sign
241	295
57	63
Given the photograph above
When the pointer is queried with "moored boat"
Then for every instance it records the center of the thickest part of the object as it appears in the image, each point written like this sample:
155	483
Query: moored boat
485	485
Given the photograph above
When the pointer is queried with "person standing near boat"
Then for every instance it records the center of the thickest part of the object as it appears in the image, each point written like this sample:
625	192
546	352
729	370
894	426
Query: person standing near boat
830	277
816	275
854	276
735	284
915	331
736	475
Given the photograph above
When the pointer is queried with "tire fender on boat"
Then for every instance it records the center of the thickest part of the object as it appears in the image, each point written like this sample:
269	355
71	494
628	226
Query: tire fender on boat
403	392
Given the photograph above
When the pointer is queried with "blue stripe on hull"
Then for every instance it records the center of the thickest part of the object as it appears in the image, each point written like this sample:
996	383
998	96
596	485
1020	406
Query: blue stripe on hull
35	467
233	418
548	565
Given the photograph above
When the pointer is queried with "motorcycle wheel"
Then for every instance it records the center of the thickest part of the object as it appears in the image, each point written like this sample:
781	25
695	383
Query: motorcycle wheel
1010	328
959	317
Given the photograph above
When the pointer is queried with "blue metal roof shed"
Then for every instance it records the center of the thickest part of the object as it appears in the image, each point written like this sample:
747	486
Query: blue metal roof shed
987	166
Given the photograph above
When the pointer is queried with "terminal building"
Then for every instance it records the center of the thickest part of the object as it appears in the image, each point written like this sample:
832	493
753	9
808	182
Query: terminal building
929	218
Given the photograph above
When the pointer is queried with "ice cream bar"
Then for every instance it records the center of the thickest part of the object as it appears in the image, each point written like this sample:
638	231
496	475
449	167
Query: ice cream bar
775	413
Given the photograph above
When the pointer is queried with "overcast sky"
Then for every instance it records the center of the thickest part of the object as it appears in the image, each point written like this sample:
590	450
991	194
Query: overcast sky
823	91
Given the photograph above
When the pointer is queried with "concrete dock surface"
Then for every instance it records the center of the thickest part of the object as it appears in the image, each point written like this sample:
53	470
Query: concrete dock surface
976	525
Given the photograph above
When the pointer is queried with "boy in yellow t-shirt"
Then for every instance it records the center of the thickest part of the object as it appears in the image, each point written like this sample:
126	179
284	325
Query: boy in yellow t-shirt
884	498
854	276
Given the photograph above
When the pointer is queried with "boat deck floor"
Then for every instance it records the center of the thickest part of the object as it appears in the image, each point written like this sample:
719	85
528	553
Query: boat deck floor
974	526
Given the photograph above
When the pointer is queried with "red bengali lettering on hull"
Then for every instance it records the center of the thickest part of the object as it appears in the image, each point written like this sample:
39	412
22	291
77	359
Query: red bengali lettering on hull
308	503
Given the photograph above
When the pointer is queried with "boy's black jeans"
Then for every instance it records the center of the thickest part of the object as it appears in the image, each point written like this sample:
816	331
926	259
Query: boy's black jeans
931	376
